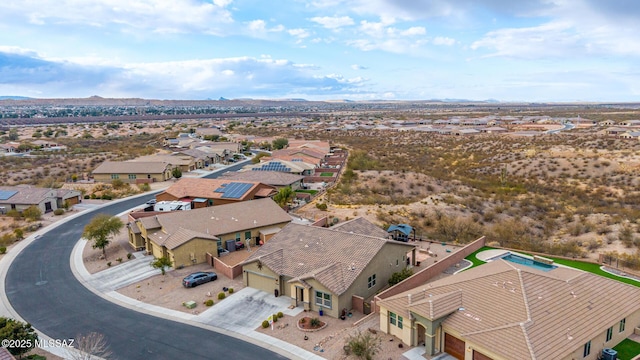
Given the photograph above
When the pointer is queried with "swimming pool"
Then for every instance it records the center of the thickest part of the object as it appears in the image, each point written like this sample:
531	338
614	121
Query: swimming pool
528	262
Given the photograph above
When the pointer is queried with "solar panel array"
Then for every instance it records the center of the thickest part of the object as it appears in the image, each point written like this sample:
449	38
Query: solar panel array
6	194
273	166
234	190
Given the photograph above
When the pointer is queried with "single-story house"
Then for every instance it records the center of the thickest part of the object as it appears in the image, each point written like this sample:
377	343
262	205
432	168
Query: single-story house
209	192
293	167
133	172
504	310
184	162
190	237
22	197
325	270
278	179
73	197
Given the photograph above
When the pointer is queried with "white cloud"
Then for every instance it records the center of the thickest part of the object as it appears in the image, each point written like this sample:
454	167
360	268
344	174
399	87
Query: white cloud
443	40
358	67
298	33
257	25
178	16
333	22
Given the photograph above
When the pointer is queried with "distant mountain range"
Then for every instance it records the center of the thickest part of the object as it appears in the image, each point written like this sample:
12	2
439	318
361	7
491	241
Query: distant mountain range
14	98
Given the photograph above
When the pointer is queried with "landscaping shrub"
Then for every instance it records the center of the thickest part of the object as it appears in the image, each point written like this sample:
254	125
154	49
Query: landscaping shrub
274	317
119	259
221	296
322	206
129	255
3	250
265	324
109	264
315	322
230	290
58	212
209	302
280	314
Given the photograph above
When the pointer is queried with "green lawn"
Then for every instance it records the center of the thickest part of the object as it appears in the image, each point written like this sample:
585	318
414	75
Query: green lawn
327	174
312	192
585	266
627	349
472	257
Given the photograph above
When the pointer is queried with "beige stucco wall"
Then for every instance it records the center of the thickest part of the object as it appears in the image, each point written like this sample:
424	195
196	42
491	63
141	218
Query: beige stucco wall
262	279
405	334
196	248
139	176
336	304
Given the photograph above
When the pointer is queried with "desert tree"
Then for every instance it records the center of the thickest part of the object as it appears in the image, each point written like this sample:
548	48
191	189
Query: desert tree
100	229
90	346
161	263
363	345
284	196
23	333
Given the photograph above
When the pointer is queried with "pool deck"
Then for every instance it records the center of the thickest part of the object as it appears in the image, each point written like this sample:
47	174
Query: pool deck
490	254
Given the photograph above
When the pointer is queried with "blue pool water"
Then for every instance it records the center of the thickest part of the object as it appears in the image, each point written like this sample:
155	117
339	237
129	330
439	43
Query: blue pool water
529	262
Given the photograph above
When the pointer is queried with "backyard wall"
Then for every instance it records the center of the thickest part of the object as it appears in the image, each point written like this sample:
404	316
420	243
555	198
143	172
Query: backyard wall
429	272
229	271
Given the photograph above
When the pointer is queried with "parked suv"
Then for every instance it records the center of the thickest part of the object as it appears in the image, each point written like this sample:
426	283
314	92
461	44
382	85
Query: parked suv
198	278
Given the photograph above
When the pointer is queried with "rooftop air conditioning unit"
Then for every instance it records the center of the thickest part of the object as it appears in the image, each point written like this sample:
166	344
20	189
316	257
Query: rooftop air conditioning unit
609	354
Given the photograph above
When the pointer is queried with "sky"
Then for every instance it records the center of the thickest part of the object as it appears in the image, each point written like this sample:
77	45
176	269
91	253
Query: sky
505	50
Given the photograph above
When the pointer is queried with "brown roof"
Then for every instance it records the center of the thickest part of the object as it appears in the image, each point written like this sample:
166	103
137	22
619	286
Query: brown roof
299	152
362	226
206	188
275	178
176	228
173	159
27	195
541	315
334	258
131	167
5	354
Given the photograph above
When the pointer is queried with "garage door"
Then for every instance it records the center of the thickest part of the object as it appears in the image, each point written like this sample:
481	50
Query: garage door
454	346
261	282
480	356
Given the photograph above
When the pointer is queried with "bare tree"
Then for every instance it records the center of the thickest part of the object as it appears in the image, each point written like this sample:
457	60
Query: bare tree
91	346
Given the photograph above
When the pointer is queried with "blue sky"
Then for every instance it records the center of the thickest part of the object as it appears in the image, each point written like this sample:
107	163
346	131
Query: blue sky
509	50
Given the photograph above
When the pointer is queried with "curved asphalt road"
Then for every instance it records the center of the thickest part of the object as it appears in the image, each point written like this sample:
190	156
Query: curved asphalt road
43	290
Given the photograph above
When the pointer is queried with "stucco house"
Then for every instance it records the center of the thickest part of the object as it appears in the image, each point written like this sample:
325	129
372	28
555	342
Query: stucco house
190	237
22	197
212	192
504	310
293	167
133	172
323	269
277	179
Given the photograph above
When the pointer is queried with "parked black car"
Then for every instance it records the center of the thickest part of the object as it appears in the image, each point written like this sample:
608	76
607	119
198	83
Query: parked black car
198	278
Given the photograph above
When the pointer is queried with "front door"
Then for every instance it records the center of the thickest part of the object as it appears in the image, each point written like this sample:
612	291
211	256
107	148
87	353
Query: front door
299	296
421	331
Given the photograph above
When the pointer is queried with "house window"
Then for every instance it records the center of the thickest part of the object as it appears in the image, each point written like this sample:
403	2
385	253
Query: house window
115	176
247	235
395	320
132	176
237	236
323	299
587	349
371	281
609	333
623	322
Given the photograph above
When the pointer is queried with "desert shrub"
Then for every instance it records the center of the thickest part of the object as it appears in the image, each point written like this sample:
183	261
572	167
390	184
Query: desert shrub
209	302
129	255
106	197
280	314
119	259
363	345
322	206
303	320
397	277
144	187
58	212
3	250
314	322
221	295
32	213
109	264
230	290
265	324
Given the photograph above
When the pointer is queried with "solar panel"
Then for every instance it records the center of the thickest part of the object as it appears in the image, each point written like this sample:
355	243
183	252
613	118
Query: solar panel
6	194
235	190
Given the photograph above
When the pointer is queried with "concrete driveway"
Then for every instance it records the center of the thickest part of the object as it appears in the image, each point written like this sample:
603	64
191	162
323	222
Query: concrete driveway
245	310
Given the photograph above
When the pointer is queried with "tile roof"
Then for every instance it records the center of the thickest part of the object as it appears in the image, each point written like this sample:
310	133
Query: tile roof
363	226
27	195
275	178
212	221
206	188
541	315
131	167
174	159
334	258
